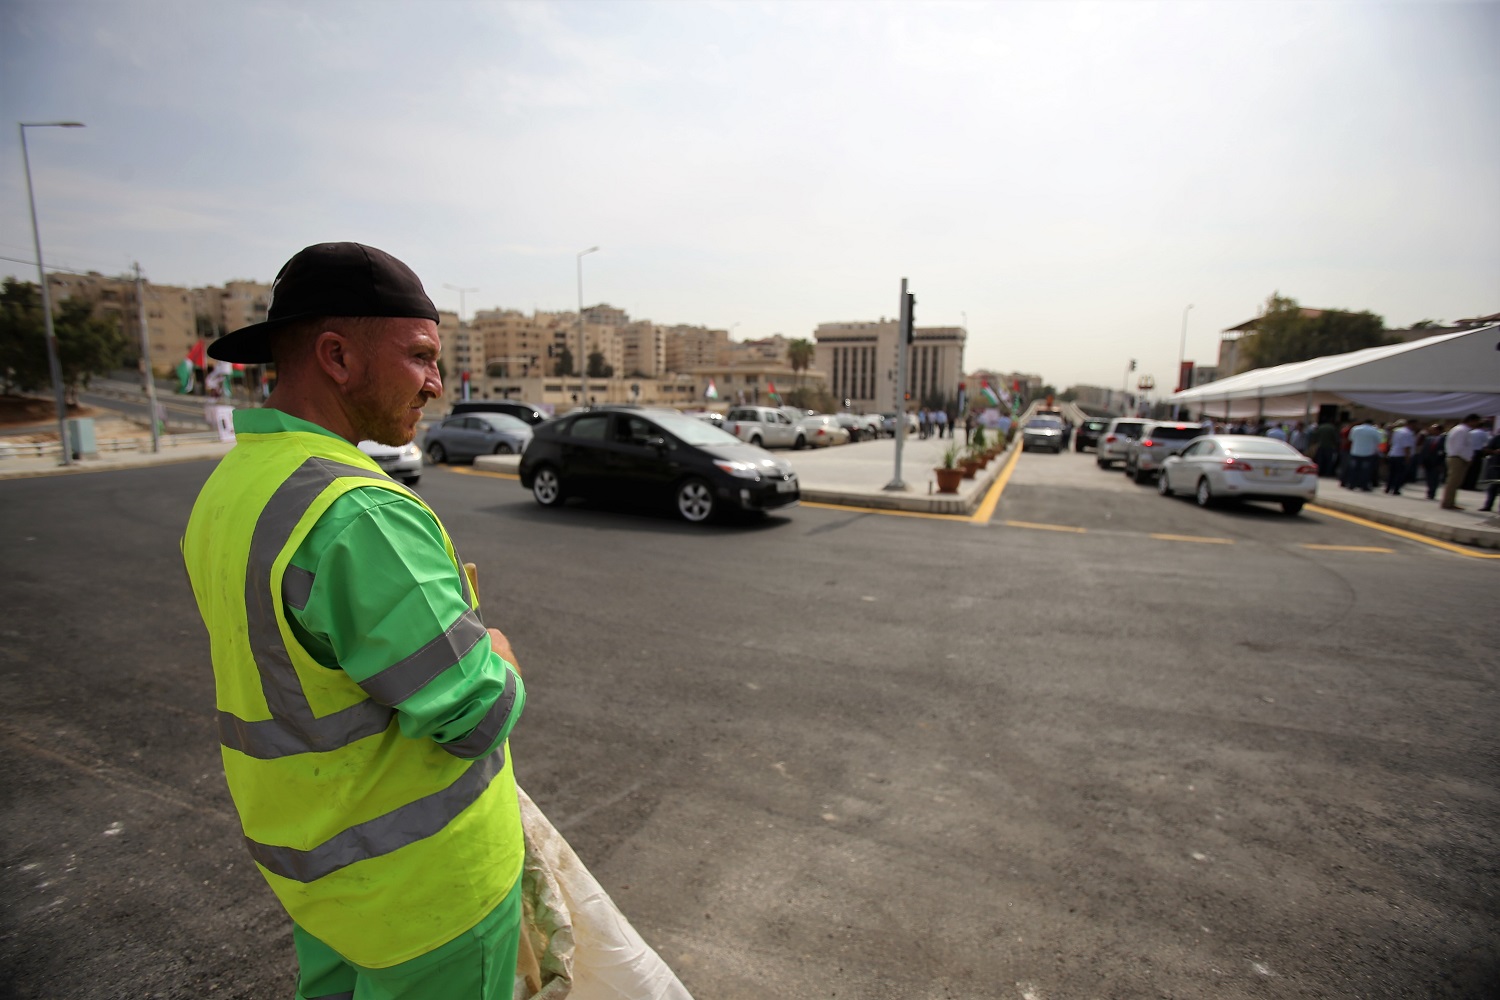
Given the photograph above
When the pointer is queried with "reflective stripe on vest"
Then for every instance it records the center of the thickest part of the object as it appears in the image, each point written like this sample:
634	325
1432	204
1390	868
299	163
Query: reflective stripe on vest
294	729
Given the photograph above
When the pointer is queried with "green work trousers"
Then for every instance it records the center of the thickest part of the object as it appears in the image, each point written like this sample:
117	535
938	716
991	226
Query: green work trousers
479	964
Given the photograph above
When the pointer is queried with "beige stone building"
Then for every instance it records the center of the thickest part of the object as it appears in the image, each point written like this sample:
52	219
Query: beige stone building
691	347
170	312
860	360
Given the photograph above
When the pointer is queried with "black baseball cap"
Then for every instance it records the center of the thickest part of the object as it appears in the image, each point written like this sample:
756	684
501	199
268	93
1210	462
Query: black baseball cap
329	279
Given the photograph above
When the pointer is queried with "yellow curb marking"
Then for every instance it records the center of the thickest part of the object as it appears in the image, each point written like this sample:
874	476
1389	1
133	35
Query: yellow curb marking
991	499
1191	538
1036	526
483	472
1346	548
1402	533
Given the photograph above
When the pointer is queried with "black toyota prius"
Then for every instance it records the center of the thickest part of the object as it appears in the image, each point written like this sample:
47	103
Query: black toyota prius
653	456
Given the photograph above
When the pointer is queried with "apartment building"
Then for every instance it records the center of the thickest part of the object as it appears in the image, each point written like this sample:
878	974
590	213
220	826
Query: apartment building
860	359
690	347
170	312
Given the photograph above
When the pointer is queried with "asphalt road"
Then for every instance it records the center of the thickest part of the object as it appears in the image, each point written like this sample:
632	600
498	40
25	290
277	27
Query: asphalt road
1108	745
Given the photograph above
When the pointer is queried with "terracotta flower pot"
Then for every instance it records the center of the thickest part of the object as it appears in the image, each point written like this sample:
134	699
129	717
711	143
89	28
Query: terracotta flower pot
948	479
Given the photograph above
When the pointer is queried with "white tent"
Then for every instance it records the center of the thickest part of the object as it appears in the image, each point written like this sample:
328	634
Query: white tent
1449	375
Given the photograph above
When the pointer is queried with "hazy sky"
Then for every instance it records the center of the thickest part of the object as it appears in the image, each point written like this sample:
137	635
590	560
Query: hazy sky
1064	177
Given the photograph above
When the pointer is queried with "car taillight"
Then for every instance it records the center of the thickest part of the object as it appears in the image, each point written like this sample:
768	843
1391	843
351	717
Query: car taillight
1238	465
1306	470
1109	438
1146	443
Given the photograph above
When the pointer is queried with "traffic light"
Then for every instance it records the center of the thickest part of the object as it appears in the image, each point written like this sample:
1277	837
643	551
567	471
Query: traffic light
911	317
1132	364
908	397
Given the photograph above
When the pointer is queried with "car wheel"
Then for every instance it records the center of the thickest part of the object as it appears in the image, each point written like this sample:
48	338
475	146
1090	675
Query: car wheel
504	448
1291	508
436	453
1162	485
695	501
1142	476
800	443
1102	463
757	441
1204	494
411	480
546	487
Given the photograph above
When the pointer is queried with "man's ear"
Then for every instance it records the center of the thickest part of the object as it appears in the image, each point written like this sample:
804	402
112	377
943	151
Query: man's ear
331	349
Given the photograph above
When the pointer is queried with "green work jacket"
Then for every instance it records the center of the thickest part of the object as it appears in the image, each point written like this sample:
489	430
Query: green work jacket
362	713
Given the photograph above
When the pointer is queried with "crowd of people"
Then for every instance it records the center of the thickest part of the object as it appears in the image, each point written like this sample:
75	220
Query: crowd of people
1364	455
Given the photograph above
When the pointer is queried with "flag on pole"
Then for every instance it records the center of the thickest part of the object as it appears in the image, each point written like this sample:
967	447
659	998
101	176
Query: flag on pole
989	394
198	354
711	392
771	391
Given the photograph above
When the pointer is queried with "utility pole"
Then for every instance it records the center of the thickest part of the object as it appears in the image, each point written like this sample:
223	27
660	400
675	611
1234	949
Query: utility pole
583	351
150	376
903	337
460	291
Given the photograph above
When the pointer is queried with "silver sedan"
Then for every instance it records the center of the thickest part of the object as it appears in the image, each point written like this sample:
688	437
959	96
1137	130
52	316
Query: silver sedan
465	435
1240	467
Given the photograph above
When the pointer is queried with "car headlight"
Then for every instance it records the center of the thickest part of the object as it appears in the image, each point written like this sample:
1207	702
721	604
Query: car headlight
410	450
740	470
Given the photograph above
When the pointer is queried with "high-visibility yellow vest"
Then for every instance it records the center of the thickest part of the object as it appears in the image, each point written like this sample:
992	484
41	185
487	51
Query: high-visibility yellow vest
383	847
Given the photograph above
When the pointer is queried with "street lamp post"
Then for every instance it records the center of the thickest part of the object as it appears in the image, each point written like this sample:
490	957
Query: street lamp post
460	291
583	361
1181	357
53	364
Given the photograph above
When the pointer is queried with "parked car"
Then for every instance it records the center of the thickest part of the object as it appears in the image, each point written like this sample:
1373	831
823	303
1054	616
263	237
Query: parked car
1115	439
403	463
470	434
527	412
1044	432
654	456
1240	467
856	425
1087	435
888	423
707	416
874	424
1158	440
822	430
765	427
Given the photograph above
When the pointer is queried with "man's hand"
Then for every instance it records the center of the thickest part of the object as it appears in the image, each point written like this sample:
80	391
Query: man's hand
501	645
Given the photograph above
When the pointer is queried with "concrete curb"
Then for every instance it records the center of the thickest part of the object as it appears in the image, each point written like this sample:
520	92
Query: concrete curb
962	505
1479	537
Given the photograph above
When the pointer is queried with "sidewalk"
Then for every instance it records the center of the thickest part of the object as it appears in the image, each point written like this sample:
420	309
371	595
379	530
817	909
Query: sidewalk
1414	512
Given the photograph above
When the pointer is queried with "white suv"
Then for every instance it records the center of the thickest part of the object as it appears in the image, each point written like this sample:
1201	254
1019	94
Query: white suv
765	427
1114	440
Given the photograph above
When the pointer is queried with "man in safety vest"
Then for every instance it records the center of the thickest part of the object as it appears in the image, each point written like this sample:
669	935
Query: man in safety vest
363	706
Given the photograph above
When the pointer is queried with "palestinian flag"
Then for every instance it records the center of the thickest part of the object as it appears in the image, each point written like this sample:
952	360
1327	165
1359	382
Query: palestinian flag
771	391
989	394
711	392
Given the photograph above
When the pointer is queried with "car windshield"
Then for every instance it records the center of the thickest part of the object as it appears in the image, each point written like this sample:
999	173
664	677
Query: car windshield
1268	447
503	421
1177	433
1051	423
693	431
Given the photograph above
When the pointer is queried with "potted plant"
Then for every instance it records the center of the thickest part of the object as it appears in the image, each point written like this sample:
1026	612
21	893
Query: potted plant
950	473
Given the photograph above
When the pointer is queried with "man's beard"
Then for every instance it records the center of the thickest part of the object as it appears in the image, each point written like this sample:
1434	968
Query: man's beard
375	421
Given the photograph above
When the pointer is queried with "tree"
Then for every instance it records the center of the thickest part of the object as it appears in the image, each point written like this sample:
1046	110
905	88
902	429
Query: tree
86	346
597	367
1286	333
799	354
564	364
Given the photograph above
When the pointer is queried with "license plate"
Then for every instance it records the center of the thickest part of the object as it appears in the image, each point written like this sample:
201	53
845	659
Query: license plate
786	486
1273	473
